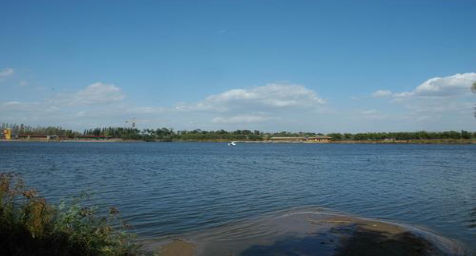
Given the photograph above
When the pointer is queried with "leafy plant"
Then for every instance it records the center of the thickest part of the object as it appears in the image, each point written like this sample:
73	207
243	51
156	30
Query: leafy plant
31	226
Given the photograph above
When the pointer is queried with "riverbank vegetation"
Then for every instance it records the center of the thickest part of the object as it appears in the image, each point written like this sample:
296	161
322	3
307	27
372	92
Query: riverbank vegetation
168	134
31	226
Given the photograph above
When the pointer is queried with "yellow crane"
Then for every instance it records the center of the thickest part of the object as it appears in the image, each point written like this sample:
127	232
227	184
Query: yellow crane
133	122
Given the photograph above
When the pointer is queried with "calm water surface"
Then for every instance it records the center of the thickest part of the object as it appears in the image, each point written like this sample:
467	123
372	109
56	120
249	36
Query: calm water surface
173	188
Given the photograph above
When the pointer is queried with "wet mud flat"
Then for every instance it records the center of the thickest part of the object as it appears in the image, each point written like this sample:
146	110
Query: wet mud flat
310	232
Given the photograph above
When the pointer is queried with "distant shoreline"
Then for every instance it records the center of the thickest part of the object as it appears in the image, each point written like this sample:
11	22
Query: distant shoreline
435	141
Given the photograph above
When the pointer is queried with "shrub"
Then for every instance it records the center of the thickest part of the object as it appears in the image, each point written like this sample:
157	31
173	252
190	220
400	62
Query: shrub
31	226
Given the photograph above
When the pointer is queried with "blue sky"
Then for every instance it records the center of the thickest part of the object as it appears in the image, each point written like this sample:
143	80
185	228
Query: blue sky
323	66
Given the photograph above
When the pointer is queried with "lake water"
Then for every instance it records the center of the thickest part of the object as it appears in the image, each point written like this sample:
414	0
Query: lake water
174	188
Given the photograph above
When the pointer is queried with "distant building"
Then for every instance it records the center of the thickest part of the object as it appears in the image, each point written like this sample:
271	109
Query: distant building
288	139
7	134
314	139
319	139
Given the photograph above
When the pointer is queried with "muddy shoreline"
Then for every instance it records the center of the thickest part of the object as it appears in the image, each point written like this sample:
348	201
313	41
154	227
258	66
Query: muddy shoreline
310	233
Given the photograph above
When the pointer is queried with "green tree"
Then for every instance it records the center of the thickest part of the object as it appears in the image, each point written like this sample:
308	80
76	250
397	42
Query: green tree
336	136
465	135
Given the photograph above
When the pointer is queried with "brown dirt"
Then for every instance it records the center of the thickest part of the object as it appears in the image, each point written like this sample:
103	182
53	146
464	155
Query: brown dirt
310	235
177	248
365	237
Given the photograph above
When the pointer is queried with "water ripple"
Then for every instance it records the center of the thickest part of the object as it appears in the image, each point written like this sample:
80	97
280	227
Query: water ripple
171	188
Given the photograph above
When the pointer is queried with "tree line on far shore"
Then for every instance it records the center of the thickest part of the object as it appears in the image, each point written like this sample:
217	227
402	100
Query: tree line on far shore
38	130
168	134
419	135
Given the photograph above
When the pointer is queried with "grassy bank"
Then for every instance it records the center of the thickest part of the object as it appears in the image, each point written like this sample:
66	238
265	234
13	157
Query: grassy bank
31	226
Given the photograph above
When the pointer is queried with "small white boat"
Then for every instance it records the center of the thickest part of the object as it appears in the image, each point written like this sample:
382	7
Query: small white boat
233	143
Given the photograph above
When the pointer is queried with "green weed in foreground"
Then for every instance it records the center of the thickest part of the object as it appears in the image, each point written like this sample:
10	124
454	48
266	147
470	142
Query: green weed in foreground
30	226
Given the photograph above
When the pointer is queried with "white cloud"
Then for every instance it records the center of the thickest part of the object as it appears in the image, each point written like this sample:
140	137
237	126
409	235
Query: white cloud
267	97
449	86
145	110
434	106
99	93
438	103
382	93
269	106
240	119
19	106
5	73
371	114
81	113
97	101
93	94
11	103
96	105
